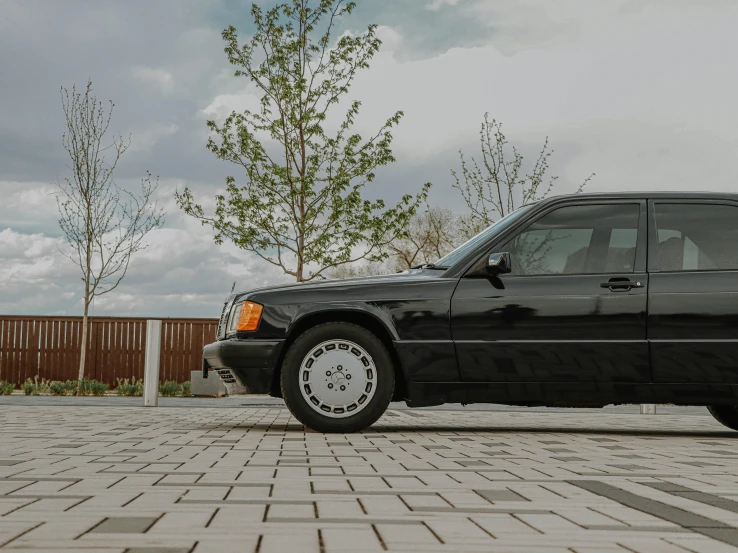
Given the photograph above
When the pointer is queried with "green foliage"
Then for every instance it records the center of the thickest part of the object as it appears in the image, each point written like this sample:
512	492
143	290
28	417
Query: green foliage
98	388
187	388
35	387
131	387
86	387
169	389
57	388
81	387
91	387
300	207
497	184
65	388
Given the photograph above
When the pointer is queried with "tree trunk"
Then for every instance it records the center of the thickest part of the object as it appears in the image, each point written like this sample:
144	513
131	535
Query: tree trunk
83	346
301	241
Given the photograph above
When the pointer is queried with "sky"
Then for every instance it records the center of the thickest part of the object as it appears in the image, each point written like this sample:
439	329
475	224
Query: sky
640	92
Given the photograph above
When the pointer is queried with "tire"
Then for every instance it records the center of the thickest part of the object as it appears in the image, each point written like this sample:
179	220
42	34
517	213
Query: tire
322	364
727	415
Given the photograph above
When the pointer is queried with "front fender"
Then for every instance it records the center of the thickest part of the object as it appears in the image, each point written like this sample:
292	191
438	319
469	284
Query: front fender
343	311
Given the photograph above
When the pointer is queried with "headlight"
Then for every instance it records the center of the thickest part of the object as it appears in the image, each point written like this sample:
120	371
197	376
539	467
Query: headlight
245	317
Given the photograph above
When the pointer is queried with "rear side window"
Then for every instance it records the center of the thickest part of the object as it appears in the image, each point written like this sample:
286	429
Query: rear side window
583	239
697	237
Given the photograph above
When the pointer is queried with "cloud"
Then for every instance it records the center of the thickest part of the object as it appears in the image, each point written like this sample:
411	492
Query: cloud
436	5
182	273
146	138
520	25
636	91
29	207
159	78
636	6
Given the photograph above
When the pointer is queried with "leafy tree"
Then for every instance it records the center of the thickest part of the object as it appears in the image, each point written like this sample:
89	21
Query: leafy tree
301	207
103	224
498	183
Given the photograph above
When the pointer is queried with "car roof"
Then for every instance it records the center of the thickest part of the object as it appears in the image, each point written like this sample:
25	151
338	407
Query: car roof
644	195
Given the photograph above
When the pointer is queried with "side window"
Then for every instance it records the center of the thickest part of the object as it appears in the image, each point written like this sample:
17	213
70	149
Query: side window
697	237
583	239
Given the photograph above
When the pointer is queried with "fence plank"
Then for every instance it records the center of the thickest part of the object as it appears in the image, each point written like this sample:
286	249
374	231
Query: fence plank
15	348
166	337
72	357
49	347
55	351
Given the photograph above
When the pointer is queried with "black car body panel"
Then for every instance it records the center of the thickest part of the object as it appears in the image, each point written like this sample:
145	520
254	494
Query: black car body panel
461	335
253	361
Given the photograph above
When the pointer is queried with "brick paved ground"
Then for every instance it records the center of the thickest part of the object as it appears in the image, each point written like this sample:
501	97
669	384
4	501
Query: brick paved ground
115	479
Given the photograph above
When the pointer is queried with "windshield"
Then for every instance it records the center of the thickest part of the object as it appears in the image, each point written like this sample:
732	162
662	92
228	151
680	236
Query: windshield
452	258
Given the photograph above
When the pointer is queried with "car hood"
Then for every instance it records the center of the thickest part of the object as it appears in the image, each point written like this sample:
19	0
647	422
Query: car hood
410	274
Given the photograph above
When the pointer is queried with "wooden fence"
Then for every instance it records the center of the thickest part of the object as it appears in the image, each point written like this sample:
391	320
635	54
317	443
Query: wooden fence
49	347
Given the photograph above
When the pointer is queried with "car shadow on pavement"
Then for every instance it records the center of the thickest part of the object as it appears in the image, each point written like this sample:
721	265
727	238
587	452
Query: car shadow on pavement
298	428
554	430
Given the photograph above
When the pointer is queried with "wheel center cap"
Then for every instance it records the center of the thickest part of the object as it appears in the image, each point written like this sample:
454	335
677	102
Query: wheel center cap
337	378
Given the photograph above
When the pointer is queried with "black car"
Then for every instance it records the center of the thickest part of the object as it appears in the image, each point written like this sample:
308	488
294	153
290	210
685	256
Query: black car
581	301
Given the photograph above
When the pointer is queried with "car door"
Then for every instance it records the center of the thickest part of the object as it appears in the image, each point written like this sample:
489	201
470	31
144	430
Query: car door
693	300
573	309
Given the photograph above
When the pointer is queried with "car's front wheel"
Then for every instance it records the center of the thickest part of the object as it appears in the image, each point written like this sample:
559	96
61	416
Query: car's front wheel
726	415
337	377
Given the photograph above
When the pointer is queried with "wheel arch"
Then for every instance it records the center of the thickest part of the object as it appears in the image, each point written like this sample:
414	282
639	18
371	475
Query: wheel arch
361	318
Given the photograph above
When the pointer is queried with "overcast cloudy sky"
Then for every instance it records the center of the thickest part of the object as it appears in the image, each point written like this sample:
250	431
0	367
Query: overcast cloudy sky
640	92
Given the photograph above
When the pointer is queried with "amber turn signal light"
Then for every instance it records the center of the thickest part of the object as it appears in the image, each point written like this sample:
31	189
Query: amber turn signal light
250	316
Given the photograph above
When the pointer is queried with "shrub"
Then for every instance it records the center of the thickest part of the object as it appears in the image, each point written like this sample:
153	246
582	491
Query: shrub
35	387
129	388
98	388
186	389
64	388
57	388
91	387
169	389
6	388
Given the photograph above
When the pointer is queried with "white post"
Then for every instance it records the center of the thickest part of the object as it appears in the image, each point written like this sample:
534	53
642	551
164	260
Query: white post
151	364
648	409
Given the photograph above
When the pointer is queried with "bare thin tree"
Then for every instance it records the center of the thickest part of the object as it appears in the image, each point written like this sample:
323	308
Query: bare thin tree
430	235
103	224
497	183
360	269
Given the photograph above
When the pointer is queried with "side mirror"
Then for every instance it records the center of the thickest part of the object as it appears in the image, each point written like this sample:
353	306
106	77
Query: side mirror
499	263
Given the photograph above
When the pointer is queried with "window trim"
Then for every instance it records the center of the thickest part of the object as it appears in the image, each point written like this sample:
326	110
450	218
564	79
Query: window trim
639	265
653	233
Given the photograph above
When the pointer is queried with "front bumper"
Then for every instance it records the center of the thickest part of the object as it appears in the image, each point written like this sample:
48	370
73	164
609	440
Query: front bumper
245	366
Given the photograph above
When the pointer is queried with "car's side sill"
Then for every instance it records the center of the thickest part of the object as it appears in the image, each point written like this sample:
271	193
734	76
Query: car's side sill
570	393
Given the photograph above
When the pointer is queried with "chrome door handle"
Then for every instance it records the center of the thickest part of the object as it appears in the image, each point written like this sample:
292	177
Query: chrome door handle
621	284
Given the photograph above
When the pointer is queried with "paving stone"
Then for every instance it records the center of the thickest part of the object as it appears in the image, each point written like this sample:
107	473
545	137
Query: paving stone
694	495
232	479
158	550
570	459
124	525
500	495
